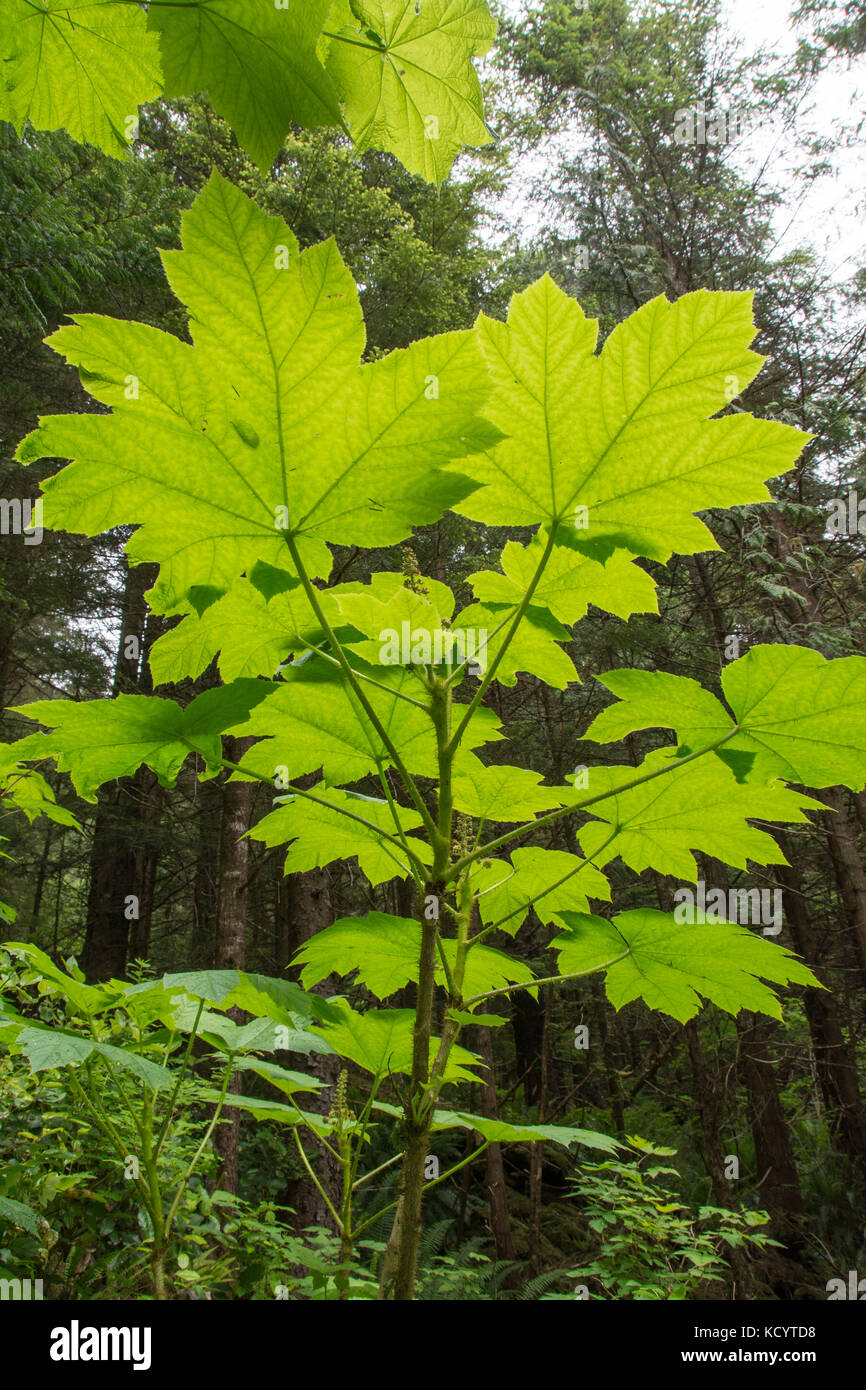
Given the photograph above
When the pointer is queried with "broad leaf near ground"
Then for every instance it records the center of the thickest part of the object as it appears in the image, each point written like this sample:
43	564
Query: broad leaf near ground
19	1215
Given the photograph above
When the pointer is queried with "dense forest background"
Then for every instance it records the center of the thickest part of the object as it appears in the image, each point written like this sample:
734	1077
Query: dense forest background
618	207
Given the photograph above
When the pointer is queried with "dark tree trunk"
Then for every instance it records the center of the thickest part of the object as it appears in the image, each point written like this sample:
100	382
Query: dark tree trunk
779	1183
706	1095
834	1060
231	932
849	870
118	884
304	908
500	1220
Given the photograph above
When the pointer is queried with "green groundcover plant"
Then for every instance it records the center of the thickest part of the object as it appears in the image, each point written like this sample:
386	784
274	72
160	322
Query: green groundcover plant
245	455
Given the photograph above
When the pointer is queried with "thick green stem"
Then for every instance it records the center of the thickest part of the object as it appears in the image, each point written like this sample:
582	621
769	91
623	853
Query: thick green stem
355	685
401	1258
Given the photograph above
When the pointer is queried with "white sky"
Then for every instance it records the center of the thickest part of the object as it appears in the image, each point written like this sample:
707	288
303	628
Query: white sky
827	214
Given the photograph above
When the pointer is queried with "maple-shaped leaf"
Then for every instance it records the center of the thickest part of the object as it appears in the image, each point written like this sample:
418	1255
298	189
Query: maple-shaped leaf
534	648
96	741
503	1132
25	790
380	1041
796	713
672	966
571	581
84	65
311	721
321	833
699	805
249	632
257	62
549	881
501	793
404	69
266	428
620	445
385	951
400	625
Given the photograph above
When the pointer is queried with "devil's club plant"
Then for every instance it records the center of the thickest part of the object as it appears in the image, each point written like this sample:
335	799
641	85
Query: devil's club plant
243	456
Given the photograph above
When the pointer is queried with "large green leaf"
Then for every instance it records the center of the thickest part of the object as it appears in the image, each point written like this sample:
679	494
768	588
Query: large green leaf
385	951
501	793
624	436
550	881
85	65
322	833
96	741
380	1041
533	648
671	966
260	995
571	581
502	1132
281	432
403	75
798	714
404	70
257	63
697	806
311	720
46	1048
250	633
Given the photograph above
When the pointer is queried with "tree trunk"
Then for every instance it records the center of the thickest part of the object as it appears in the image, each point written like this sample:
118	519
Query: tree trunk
231	933
850	873
117	890
834	1059
500	1220
304	908
779	1183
